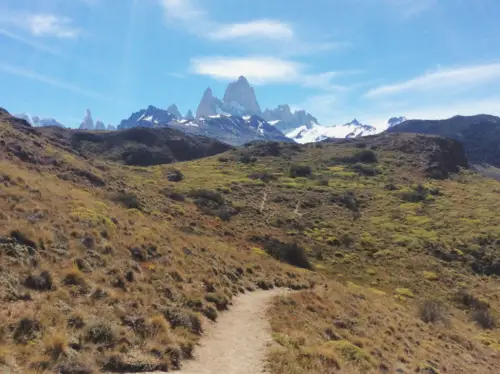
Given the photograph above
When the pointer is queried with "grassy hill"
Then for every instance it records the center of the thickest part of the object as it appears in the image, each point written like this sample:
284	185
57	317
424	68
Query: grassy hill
118	268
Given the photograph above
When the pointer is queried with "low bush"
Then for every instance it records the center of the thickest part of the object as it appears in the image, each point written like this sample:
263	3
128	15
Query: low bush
128	200
42	282
264	176
431	311
366	155
484	318
297	170
219	299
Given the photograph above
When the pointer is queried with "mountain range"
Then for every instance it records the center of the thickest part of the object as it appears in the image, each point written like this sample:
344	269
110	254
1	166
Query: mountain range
237	119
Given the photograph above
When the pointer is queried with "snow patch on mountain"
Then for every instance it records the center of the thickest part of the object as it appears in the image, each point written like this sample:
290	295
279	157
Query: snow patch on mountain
316	133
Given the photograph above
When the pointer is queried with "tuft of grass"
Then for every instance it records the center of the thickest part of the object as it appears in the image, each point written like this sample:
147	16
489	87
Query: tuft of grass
404	292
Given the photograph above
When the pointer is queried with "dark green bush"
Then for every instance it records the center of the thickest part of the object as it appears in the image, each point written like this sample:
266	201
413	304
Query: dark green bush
300	171
366	155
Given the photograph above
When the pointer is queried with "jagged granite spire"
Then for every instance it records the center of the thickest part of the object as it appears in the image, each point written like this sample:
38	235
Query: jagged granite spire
87	123
175	111
240	98
209	105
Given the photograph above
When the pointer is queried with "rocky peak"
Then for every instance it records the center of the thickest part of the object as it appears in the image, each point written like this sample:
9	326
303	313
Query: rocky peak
87	123
99	125
395	121
174	110
240	94
287	121
111	127
189	114
209	105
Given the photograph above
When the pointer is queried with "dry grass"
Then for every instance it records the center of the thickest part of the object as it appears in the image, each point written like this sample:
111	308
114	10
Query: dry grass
354	329
134	281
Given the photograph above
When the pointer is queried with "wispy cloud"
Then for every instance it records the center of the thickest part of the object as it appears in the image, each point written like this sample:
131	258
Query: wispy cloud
254	29
410	8
41	24
462	78
29	74
52	25
31	43
195	19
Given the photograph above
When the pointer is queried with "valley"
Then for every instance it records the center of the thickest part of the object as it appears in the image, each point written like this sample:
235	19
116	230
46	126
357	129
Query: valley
118	264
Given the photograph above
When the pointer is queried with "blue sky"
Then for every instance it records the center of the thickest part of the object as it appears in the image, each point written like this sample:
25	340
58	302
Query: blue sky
338	59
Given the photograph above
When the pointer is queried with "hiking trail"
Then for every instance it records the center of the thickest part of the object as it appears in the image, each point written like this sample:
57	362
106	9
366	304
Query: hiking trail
239	341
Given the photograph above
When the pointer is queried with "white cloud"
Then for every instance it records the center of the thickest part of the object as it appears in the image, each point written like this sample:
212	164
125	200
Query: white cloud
181	9
258	70
262	70
260	28
458	78
51	25
40	24
29	74
193	18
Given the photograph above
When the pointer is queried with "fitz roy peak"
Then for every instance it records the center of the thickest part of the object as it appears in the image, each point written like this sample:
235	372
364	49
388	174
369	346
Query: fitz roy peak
88	122
240	99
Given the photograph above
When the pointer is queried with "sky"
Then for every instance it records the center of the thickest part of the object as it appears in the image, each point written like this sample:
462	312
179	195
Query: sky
337	59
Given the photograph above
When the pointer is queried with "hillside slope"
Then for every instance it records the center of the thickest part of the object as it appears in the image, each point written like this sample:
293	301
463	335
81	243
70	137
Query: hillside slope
118	268
480	134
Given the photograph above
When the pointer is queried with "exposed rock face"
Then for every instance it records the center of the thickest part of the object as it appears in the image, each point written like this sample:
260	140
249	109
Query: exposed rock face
240	95
439	157
395	121
209	105
111	127
88	122
189	115
175	111
99	125
150	117
286	121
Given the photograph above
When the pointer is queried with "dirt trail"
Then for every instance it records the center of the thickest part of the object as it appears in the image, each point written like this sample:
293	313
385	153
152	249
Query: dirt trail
238	342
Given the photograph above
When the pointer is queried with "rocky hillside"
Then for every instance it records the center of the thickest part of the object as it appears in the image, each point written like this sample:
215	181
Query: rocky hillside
115	268
480	134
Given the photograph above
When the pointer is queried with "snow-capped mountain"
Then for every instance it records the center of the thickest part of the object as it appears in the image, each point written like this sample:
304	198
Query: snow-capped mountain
149	117
235	130
39	121
286	121
316	133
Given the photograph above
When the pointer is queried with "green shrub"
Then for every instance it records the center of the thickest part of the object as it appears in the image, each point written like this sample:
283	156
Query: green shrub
366	155
297	170
128	200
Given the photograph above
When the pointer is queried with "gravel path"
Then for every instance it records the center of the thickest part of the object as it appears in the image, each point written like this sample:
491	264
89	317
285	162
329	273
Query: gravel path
239	341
